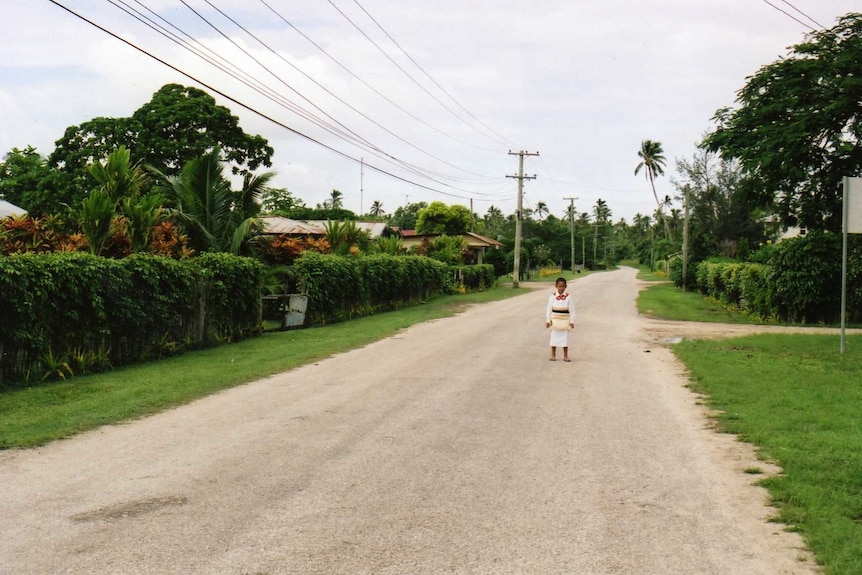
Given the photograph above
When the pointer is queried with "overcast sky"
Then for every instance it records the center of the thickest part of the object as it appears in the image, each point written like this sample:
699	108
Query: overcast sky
582	82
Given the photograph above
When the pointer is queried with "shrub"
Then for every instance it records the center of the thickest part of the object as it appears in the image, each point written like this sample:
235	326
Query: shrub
340	288
70	313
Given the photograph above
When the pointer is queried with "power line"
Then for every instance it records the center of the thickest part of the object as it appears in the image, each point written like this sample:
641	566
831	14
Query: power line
319	85
250	108
791	16
251	82
405	72
804	14
371	87
427	75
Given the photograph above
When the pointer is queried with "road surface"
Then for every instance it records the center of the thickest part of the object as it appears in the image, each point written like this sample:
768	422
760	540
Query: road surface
453	447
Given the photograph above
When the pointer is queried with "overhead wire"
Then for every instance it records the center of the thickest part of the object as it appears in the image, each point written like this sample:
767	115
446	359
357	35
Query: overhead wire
254	110
405	72
427	75
362	81
791	16
325	89
274	96
804	14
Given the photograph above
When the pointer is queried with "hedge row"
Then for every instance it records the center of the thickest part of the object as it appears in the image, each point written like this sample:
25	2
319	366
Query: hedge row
342	288
800	283
474	277
72	313
743	285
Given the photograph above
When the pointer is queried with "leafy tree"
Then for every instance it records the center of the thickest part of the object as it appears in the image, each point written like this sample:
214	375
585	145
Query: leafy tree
448	249
176	126
495	222
652	162
216	218
721	221
438	218
279	201
797	126
319	213
405	216
27	180
181	123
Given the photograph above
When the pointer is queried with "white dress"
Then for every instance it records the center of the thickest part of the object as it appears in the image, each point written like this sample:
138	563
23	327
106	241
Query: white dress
561	313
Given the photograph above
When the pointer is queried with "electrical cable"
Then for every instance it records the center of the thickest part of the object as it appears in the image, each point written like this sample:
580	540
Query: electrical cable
804	14
359	79
442	89
254	110
791	16
321	86
272	95
405	72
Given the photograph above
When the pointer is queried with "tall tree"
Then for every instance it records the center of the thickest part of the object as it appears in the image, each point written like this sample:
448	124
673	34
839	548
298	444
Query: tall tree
797	127
279	201
652	162
495	222
438	218
176	126
405	216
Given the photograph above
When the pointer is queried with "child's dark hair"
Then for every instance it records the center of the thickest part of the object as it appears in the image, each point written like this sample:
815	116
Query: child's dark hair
560	279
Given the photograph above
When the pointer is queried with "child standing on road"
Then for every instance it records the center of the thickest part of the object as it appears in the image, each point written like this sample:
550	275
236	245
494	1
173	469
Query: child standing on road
560	318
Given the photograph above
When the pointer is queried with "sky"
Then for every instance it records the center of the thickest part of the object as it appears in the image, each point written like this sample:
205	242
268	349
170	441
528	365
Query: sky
400	101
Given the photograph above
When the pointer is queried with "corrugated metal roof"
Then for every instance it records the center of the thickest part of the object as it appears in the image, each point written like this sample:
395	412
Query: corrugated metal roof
8	209
278	225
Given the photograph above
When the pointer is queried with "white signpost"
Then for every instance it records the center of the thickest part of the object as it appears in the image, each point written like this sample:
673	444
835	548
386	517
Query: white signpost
852	225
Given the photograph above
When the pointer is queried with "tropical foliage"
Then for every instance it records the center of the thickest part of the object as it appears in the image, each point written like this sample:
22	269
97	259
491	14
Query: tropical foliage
797	128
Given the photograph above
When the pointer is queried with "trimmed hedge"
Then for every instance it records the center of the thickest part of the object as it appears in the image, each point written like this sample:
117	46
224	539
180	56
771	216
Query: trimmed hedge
341	288
801	282
475	277
72	313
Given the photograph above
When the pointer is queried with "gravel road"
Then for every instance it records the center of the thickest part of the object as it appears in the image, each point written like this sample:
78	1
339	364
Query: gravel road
453	447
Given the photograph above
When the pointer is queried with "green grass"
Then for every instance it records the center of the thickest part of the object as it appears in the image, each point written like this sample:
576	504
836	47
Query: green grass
34	416
799	401
667	301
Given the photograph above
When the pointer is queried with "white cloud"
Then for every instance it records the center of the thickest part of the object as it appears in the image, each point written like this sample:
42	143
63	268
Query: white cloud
582	82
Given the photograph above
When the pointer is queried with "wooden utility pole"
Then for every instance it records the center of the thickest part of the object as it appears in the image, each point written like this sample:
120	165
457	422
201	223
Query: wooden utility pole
685	246
516	273
572	226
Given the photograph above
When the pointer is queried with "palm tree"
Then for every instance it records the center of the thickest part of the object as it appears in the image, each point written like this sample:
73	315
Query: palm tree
118	176
335	201
652	162
376	209
542	210
216	218
601	212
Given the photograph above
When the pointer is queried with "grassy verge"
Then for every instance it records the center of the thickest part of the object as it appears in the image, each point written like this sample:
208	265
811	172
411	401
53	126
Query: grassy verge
37	415
644	273
667	301
798	401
